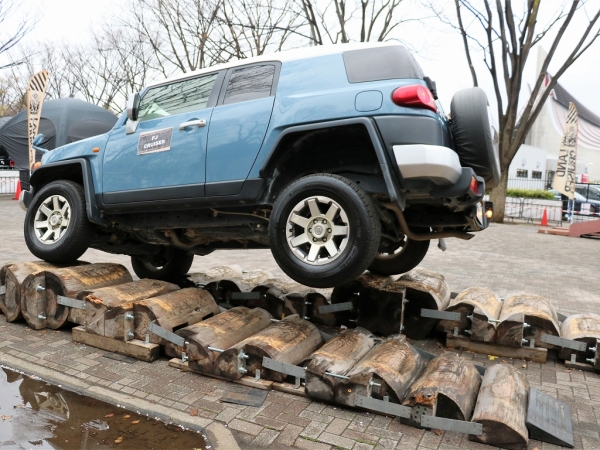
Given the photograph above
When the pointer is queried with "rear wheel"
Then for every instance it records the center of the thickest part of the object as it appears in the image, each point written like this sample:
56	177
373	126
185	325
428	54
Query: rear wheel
324	230
402	259
169	265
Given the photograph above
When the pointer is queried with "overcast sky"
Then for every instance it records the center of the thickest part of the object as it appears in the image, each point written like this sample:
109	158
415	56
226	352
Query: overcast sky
440	53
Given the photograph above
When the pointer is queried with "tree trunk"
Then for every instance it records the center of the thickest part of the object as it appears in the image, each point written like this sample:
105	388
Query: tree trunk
498	196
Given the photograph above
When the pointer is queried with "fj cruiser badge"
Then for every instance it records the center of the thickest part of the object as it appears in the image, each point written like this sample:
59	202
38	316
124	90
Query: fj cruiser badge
155	141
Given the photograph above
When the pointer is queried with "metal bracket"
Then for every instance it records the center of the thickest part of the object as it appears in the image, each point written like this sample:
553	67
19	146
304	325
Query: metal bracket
2	290
562	342
337	307
442	315
246	296
166	334
257	375
70	302
282	367
459	426
382	406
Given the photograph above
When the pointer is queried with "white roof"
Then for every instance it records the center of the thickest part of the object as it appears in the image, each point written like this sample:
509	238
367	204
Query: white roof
288	55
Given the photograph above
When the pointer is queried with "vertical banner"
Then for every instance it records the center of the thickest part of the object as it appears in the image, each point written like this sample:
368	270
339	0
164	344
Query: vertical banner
565	177
36	91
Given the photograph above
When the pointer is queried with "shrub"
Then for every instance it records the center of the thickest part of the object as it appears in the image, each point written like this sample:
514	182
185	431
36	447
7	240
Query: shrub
530	193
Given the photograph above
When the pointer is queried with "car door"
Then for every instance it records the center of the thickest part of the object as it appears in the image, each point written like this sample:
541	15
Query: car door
238	126
165	157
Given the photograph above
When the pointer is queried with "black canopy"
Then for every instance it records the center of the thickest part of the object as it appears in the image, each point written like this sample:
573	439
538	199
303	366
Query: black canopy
63	121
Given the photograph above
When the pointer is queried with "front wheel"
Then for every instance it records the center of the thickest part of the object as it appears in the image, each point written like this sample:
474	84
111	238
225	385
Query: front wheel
406	257
169	265
57	229
324	230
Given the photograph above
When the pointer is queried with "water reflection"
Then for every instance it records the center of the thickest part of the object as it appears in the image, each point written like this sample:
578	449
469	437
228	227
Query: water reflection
36	415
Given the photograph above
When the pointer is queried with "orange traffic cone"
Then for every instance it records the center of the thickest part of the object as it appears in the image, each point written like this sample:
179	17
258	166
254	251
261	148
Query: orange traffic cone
544	218
18	191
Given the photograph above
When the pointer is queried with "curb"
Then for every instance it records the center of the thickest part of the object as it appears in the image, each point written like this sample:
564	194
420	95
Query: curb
219	436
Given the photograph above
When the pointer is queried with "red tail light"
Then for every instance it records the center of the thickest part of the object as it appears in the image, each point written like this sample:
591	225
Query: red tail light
414	95
474	185
11	163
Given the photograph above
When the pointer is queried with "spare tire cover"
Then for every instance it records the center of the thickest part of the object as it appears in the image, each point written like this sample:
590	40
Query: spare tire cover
472	132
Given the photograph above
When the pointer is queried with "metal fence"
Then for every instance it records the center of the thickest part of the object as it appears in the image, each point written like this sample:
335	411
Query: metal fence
8	184
531	210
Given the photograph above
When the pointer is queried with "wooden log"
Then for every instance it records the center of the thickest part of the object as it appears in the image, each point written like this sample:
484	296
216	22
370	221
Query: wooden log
315	299
221	332
538	313
389	369
272	299
424	289
39	305
349	292
584	328
100	301
448	387
290	340
134	348
172	311
483	304
12	277
502	407
337	356
535	354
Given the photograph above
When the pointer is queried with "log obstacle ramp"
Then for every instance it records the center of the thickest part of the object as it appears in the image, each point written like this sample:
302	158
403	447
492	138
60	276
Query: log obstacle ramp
351	346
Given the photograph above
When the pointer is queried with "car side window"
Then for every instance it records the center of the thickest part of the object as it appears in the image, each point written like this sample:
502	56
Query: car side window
249	83
176	98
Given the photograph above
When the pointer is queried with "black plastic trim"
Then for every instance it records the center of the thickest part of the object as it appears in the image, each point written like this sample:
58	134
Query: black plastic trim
153	194
224	188
391	179
52	169
251	193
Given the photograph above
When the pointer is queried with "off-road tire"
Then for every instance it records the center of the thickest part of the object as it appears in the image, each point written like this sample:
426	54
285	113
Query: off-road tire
78	235
409	257
363	235
177	264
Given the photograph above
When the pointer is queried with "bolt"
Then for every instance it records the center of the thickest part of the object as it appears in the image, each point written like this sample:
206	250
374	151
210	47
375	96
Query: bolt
40	288
526	325
242	355
315	221
405	301
242	370
592	349
314	239
591	360
524	341
469	331
41	316
324	239
372	383
130	334
306	318
329	230
324	221
310	230
129	316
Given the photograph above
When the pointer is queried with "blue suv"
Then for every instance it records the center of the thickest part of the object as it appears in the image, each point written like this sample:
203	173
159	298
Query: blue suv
337	158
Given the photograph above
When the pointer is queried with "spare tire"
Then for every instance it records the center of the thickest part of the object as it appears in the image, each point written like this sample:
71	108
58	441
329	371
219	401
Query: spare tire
472	132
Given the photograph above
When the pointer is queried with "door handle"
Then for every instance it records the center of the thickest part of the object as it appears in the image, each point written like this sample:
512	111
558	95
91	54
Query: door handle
193	123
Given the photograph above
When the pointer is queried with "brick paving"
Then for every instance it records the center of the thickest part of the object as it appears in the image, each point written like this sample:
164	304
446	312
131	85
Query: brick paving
506	258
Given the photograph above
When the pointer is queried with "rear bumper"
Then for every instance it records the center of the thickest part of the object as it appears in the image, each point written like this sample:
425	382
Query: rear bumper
430	163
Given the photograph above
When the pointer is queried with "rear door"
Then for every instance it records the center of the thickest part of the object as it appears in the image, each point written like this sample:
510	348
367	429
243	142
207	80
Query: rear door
238	126
165	157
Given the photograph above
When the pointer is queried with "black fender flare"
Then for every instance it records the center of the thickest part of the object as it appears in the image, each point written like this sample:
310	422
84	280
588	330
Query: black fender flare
390	178
53	171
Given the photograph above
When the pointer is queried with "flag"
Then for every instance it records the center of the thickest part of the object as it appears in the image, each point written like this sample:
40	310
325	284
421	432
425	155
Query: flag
565	177
36	91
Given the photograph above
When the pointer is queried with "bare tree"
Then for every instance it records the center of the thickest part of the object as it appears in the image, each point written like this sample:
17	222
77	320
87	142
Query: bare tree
506	37
340	21
12	28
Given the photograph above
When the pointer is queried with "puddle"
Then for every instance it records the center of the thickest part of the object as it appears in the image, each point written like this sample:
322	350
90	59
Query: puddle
37	415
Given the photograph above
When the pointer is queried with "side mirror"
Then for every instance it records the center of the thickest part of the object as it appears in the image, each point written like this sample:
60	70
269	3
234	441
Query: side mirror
133	105
38	139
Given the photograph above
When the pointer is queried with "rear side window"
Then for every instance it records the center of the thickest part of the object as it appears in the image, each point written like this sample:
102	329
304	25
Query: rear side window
382	63
176	98
249	83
